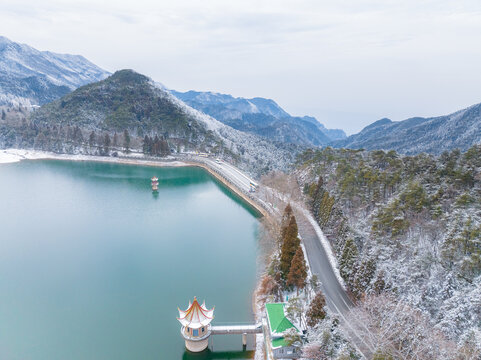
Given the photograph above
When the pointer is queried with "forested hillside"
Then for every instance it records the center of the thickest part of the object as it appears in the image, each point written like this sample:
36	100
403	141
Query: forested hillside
459	130
406	227
128	111
263	117
94	118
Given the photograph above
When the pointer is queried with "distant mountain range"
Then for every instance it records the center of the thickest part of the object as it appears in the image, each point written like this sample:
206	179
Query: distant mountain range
257	129
262	117
460	130
32	77
93	119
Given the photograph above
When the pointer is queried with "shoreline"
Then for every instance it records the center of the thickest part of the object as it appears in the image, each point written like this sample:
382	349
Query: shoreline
232	188
8	156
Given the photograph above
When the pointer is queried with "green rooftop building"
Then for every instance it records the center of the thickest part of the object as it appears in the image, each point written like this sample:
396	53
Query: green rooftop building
278	324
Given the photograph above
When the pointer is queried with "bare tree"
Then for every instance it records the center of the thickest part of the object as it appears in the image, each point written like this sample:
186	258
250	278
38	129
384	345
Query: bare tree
285	185
392	328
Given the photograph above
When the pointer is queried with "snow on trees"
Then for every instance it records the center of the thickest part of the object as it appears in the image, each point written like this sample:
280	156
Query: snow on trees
316	312
126	141
298	271
409	226
290	243
393	328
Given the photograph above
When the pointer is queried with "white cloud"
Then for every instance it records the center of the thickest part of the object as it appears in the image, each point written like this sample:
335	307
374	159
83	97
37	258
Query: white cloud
346	62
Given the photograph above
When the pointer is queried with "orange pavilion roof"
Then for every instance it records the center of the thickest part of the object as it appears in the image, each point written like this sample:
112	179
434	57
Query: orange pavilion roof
196	315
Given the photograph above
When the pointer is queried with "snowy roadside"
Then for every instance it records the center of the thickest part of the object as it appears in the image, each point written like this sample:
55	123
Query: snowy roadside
231	172
320	235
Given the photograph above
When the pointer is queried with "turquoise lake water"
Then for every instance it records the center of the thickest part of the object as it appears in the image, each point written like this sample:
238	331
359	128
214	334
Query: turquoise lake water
93	265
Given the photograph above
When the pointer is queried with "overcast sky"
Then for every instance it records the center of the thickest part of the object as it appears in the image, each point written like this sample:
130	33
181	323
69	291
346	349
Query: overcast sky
348	63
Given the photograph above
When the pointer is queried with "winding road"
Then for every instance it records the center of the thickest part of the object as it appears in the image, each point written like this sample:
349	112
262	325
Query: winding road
319	253
319	260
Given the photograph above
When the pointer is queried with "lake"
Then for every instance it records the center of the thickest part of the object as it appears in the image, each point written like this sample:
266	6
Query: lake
93	265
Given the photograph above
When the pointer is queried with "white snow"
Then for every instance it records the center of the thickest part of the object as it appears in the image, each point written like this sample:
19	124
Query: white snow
15	155
6	157
259	353
253	149
252	107
19	61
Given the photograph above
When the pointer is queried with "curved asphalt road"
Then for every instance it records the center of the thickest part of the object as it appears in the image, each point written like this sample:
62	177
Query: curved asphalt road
336	297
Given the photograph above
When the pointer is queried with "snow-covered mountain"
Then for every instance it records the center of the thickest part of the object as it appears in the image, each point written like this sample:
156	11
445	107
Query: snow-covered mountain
80	122
409	228
461	130
230	107
262	117
32	77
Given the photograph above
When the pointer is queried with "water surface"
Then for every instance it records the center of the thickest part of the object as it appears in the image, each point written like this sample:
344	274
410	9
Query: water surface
93	266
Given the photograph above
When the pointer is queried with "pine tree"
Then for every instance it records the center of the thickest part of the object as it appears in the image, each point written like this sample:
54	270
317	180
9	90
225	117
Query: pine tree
290	243
77	135
298	271
379	285
40	141
92	139
325	209
317	196
4	115
286	219
317	311
126	141
156	146
363	278
115	140
348	259
106	144
147	145
164	148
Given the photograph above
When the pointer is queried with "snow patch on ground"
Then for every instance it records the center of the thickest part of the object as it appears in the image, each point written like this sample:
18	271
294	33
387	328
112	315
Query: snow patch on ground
210	122
15	155
259	354
6	157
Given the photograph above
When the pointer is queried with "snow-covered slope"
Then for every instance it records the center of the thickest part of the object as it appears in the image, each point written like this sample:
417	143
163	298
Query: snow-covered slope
259	155
405	226
231	107
80	121
461	130
262	117
29	76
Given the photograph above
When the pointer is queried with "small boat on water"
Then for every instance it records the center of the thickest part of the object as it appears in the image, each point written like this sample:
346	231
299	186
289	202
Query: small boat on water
155	184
